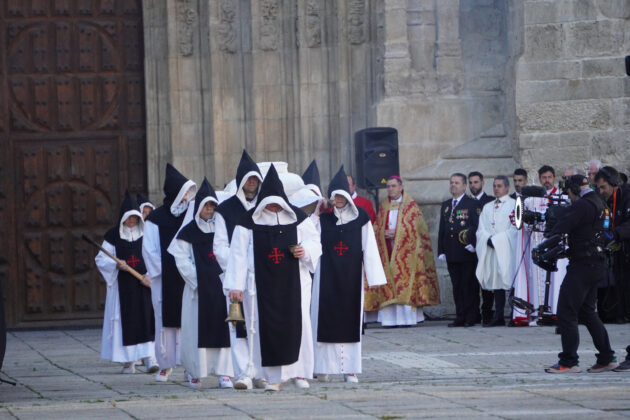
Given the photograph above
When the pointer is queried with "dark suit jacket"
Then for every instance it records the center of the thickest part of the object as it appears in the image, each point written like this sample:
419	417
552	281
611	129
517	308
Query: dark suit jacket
485	199
459	230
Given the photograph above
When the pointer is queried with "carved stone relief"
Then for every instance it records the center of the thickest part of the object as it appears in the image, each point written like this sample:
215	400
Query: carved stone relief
269	11
187	19
356	22
313	24
228	32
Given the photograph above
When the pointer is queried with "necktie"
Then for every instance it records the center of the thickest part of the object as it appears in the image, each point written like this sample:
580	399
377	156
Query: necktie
453	209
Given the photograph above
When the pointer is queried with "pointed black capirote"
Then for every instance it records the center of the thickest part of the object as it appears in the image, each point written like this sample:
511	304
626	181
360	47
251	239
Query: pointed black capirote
128	203
204	191
173	182
141	199
311	175
272	186
339	182
246	165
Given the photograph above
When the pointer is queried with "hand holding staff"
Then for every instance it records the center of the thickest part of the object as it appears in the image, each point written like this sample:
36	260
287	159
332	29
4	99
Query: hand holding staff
120	264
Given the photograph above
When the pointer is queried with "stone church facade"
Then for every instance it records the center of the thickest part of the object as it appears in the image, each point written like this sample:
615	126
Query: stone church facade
485	85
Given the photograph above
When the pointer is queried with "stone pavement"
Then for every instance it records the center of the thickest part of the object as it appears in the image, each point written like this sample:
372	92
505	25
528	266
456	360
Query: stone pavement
429	371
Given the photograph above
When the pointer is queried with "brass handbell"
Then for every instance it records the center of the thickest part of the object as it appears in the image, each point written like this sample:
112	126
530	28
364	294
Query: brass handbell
235	314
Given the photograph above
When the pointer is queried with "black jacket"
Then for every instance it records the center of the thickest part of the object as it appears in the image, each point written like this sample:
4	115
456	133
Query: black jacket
458	230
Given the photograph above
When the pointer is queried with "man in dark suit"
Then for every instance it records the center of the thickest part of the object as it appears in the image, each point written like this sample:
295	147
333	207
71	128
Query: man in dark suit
456	246
476	183
520	180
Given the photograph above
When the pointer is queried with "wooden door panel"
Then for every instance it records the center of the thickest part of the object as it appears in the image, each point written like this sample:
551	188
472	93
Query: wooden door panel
72	124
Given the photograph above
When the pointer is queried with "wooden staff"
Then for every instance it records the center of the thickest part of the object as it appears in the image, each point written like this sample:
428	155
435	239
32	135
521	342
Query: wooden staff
119	261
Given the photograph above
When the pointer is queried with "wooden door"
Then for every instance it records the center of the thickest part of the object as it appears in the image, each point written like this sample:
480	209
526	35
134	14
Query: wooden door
72	138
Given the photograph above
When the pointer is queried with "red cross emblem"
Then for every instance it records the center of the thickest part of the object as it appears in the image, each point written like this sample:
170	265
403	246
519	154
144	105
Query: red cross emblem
133	261
340	248
276	256
211	255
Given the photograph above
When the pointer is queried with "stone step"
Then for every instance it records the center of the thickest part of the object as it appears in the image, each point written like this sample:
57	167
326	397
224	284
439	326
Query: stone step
485	147
443	169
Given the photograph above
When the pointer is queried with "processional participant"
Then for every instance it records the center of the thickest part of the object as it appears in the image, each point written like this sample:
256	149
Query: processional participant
274	249
349	253
496	243
145	206
405	248
529	283
128	324
205	347
167	285
228	214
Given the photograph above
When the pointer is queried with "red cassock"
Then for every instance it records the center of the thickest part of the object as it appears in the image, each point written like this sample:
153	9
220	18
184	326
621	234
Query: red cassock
366	205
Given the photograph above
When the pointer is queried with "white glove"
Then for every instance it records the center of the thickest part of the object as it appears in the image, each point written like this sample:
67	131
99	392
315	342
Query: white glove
469	248
442	257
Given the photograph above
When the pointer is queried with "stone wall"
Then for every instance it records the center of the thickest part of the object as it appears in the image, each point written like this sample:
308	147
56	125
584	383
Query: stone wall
572	92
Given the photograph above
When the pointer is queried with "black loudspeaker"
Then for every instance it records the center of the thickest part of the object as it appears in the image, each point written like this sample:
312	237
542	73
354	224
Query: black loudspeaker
628	65
376	153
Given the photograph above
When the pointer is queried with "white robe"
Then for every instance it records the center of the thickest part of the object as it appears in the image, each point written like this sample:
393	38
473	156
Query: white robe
332	358
495	268
112	343
167	340
530	279
240	276
198	362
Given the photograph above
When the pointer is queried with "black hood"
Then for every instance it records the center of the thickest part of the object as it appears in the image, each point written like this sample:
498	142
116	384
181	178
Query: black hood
204	191
246	165
141	199
311	175
173	183
339	182
272	186
128	204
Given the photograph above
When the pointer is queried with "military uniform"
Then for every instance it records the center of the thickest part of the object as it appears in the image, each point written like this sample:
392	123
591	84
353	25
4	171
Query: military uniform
487	296
458	227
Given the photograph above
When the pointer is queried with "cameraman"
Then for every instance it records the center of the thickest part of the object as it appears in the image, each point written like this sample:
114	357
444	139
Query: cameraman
617	195
584	222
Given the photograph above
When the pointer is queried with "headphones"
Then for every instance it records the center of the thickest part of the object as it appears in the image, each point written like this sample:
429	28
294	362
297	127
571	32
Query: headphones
574	183
609	175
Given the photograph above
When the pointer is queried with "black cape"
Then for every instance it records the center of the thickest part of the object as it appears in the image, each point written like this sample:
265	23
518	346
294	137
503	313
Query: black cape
278	290
136	309
341	282
213	330
172	282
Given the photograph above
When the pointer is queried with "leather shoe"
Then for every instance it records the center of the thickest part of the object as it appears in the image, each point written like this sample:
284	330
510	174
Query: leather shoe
456	324
495	323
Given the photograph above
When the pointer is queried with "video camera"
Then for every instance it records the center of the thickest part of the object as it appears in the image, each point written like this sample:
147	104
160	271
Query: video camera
555	209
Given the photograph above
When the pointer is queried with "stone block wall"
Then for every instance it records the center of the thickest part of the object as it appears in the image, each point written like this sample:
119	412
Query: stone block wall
572	91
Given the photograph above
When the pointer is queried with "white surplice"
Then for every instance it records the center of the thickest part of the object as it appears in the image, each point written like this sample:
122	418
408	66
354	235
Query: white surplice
333	358
530	279
495	268
240	276
198	362
112	347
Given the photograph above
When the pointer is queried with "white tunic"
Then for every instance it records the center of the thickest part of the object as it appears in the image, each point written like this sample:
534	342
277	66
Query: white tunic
530	279
332	358
112	343
167	340
495	268
239	276
198	362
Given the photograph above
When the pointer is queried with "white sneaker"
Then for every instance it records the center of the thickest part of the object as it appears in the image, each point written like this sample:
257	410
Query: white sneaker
243	383
225	382
323	377
273	387
194	383
151	364
301	383
260	383
128	368
351	378
162	375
